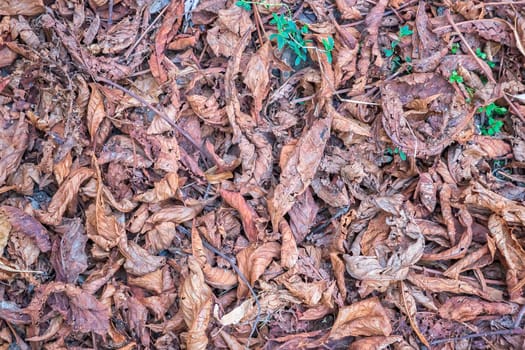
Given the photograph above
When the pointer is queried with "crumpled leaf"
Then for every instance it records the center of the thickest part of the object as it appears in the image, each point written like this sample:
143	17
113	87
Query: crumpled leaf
67	192
247	213
257	77
366	317
196	305
83	312
95	111
14	139
138	261
68	255
28	225
22	7
299	169
253	262
464	309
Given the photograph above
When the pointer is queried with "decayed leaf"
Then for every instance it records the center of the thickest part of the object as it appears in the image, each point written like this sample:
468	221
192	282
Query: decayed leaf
67	192
14	138
248	214
375	343
254	261
511	251
289	253
196	304
166	188
464	309
409	308
257	77
236	315
175	213
138	261
27	225
438	285
23	7
5	229
81	311
68	255
151	281
207	109
299	170
95	111
366	317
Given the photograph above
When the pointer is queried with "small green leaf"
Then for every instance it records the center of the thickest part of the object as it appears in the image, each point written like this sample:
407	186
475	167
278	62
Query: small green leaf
304	29
454	48
481	54
402	155
388	52
455	78
405	31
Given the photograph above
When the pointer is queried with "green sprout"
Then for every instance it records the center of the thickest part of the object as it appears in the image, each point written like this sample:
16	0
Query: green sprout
288	34
389	52
484	57
492	126
247	5
454	48
402	155
405	31
455	77
328	44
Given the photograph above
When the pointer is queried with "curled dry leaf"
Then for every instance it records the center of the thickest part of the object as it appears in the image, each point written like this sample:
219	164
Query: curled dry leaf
82	311
95	110
247	213
14	137
164	189
464	309
299	169
366	317
23	7
257	77
27	225
512	253
289	252
175	213
253	262
375	343
67	192
196	303
68	255
138	261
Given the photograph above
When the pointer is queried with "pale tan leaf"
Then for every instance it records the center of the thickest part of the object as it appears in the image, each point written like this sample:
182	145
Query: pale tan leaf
289	252
95	110
464	309
366	317
21	7
299	170
196	304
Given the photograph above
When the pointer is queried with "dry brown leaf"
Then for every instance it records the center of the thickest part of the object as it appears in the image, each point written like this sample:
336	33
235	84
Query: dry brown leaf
82	311
22	7
138	261
464	309
375	343
175	213
14	137
152	281
95	111
512	252
63	197
164	189
219	278
5	229
68	255
247	213
253	262
289	252
257	77
366	317
299	170
196	305
26	224
207	108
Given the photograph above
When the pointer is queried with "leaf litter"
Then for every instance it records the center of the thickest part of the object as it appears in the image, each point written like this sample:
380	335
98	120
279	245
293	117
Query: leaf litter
262	174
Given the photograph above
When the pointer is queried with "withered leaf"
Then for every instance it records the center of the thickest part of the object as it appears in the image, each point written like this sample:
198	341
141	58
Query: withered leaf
366	317
464	309
82	311
138	261
95	110
23	7
248	214
68	255
196	304
299	170
27	225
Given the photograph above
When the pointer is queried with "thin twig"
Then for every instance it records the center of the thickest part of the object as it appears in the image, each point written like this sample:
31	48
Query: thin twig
158	112
243	278
515	331
146	31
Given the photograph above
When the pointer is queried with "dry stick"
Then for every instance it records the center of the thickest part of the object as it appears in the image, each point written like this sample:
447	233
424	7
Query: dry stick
516	331
481	64
130	50
243	278
158	112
